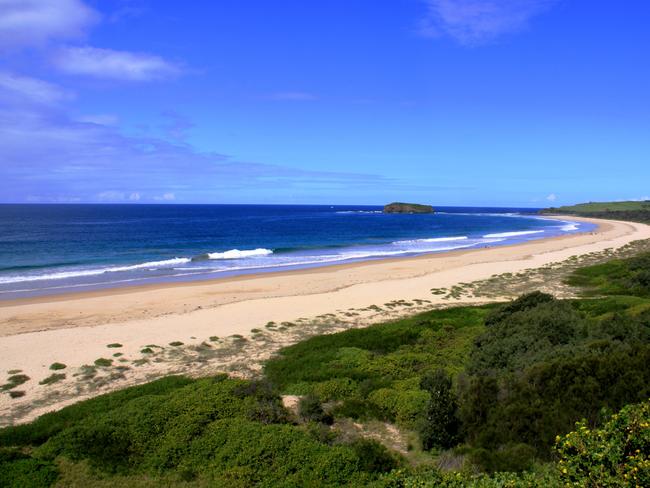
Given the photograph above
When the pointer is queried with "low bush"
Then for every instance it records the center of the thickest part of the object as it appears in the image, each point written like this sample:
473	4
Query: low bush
310	409
48	425
629	276
406	407
614	454
525	336
19	470
524	302
53	378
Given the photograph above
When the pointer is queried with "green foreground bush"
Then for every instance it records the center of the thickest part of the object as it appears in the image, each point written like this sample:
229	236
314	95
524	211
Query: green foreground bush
615	454
219	431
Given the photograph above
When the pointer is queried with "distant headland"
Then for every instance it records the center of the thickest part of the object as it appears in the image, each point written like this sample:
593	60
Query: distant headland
410	208
635	211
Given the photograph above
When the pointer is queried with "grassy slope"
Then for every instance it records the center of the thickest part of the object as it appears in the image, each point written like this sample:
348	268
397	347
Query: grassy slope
637	211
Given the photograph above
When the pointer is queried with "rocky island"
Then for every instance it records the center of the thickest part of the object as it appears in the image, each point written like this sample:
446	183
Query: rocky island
410	208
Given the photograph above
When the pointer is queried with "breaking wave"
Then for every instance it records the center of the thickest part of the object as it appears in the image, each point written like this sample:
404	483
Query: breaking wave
79	273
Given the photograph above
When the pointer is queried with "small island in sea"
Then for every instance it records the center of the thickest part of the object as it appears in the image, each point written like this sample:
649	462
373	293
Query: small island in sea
410	208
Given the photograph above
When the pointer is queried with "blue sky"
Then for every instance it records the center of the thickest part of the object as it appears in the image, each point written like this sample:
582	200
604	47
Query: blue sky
451	102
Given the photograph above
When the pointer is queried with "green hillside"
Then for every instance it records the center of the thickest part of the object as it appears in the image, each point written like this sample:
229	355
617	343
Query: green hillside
635	211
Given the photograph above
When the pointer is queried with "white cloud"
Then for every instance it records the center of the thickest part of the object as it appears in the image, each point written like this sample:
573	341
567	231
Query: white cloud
13	86
472	22
552	197
37	22
111	196
119	65
165	197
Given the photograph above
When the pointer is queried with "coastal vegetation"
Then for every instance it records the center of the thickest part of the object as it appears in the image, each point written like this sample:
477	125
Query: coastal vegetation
538	391
635	211
409	208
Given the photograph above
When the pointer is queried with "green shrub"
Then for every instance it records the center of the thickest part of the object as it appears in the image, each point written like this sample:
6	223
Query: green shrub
615	454
506	458
19	470
525	337
57	366
524	302
533	406
103	362
271	455
209	430
53	378
426	341
374	457
427	477
629	276
48	425
440	426
405	407
358	408
310	409
14	380
334	389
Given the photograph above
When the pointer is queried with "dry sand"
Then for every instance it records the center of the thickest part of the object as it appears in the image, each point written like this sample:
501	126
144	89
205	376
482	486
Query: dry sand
75	329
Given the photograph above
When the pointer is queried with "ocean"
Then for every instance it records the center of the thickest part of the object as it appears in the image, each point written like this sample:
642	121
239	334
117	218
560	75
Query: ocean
50	249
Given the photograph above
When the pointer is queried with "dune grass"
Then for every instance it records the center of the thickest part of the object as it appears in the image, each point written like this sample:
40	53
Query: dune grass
53	378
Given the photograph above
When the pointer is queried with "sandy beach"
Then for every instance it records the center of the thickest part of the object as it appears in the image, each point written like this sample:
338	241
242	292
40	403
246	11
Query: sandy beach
75	329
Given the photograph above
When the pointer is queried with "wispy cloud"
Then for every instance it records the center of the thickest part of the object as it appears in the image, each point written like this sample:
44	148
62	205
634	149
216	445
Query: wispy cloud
82	160
111	64
37	22
552	197
20	89
52	25
472	22
292	96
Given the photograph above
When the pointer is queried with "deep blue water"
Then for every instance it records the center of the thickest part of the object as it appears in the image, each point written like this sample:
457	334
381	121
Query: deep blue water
57	248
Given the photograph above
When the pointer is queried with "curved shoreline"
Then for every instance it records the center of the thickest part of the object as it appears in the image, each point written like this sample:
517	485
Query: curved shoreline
148	302
58	284
76	329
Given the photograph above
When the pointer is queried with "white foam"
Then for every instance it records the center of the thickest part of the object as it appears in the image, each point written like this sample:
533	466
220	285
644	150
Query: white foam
569	227
514	234
433	239
80	273
487	214
237	254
